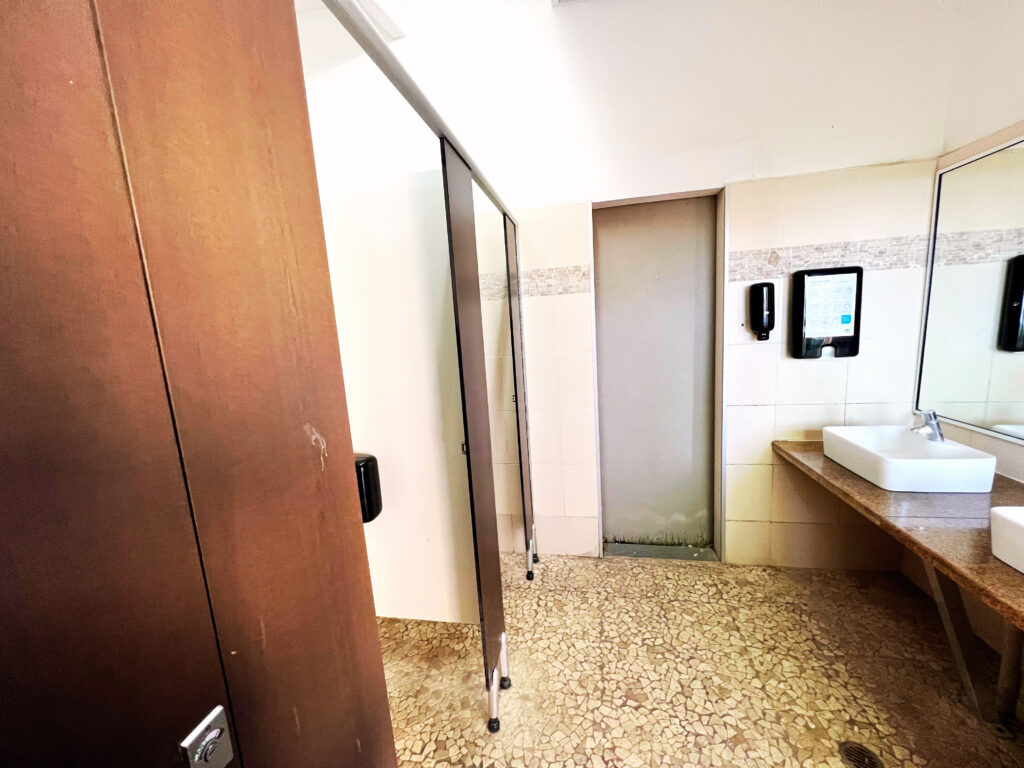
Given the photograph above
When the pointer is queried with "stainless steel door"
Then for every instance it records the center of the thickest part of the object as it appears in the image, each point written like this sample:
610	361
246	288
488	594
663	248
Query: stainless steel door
655	294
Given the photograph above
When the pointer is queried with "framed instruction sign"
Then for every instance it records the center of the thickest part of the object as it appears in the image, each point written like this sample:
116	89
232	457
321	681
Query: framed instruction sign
825	311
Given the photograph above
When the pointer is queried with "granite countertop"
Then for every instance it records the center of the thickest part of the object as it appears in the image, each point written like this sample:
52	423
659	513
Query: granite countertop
950	530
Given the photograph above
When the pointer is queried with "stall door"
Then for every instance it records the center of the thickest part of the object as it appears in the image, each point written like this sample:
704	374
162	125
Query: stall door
216	138
519	373
458	182
107	649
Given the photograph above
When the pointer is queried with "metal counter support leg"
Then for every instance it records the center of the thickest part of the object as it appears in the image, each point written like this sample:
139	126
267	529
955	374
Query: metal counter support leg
493	723
1008	684
506	681
981	696
533	543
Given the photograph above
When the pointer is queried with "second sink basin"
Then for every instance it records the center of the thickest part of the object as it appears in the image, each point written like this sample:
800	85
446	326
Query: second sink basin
896	459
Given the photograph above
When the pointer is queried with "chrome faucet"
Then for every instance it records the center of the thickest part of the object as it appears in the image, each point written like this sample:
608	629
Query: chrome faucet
930	426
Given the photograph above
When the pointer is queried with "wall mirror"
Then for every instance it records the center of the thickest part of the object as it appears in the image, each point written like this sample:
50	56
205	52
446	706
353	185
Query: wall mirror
972	357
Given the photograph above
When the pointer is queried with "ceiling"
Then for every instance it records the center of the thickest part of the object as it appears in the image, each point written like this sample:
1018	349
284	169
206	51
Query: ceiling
608	99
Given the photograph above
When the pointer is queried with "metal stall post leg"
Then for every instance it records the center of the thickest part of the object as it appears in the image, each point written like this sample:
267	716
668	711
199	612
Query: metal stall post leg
506	681
493	723
531	553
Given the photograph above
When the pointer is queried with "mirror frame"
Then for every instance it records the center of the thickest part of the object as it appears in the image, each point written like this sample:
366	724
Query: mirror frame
958	158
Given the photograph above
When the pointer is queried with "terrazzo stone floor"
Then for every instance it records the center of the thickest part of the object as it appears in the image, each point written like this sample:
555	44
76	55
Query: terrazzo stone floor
628	662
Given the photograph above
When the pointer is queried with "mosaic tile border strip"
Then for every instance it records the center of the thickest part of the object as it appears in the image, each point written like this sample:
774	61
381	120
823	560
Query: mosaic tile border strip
493	285
979	247
880	253
556	281
549	281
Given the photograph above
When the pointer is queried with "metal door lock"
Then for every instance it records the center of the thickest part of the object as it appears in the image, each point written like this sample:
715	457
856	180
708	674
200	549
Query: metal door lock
209	745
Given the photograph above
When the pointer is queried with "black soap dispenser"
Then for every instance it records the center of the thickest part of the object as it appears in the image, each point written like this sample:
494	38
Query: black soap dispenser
762	309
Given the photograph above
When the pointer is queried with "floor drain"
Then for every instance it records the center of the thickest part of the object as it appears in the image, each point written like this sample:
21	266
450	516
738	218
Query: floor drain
856	755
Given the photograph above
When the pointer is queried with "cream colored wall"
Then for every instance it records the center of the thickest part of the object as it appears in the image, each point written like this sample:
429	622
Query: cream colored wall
862	203
773	515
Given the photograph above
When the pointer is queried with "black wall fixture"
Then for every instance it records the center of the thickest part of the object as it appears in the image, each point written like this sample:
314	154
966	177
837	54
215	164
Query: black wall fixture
761	305
1011	316
825	311
368	480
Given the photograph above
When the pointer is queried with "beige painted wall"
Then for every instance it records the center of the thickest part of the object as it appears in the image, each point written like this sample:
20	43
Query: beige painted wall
850	204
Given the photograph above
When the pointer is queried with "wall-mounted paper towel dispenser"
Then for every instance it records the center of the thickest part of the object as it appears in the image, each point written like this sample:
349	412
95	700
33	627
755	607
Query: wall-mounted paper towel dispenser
1011	320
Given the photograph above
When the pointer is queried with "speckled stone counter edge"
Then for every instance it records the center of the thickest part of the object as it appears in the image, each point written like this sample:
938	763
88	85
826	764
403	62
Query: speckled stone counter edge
1002	587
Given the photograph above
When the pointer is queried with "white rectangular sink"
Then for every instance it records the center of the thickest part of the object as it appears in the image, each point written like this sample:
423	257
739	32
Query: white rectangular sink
1008	535
896	459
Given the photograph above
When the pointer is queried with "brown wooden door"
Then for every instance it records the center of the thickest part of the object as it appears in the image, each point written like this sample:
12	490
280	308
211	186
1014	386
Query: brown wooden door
107	650
519	375
214	124
458	188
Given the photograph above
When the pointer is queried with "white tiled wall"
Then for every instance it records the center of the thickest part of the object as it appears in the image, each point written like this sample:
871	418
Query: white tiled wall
773	514
559	344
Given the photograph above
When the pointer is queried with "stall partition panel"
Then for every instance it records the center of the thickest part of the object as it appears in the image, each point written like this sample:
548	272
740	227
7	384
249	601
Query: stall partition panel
519	375
107	649
473	375
382	197
215	129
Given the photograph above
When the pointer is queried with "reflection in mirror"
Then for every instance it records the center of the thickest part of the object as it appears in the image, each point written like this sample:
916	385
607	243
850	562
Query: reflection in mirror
965	375
491	260
382	197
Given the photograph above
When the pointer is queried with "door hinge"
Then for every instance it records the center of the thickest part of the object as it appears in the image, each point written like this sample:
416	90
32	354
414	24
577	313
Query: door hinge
465	448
